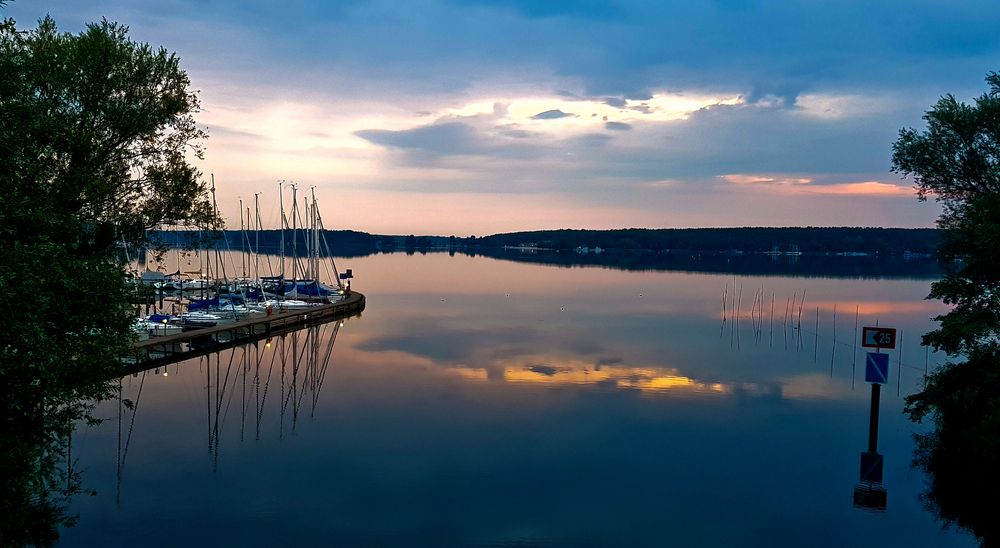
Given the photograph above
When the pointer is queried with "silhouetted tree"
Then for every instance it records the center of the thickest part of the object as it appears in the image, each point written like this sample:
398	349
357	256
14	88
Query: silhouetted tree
956	160
95	132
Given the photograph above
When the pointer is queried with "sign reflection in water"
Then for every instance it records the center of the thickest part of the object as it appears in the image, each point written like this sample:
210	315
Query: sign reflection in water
480	401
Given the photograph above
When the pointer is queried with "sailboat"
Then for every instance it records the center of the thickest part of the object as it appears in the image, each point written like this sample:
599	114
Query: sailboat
303	289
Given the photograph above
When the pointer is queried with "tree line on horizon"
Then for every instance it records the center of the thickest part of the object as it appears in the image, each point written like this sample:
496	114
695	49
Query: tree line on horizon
810	240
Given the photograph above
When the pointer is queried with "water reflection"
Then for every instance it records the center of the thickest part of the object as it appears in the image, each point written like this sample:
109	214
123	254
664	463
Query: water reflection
38	471
500	403
961	453
283	374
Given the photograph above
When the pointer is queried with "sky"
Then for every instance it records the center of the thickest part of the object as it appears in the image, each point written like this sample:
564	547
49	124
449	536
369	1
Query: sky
473	117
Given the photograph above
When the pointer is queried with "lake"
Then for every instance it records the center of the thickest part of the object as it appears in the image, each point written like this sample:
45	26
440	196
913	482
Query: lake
488	402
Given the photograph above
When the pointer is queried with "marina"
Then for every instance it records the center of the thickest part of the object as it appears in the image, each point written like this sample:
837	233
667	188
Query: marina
161	350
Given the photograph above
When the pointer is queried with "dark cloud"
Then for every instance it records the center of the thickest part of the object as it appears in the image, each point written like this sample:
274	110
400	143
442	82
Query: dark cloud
448	138
516	133
436	144
546	370
617	126
554	114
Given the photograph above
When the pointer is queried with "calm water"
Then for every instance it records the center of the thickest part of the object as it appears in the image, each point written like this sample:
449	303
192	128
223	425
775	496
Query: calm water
484	402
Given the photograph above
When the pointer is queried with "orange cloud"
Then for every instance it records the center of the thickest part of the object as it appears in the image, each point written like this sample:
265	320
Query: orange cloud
867	188
803	185
777	180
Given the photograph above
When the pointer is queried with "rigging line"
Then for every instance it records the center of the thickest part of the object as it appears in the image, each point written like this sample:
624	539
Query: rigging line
118	467
263	401
131	426
282	405
293	386
208	398
297	405
243	399
285	396
329	253
229	367
326	364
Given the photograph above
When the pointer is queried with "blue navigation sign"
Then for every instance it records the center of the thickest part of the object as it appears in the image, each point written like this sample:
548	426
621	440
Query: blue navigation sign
877	368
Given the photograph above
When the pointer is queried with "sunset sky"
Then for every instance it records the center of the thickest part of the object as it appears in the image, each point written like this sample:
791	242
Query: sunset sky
481	116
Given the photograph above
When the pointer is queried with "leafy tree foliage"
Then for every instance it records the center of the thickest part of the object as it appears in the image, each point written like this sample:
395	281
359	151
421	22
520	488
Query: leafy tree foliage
95	131
95	135
956	160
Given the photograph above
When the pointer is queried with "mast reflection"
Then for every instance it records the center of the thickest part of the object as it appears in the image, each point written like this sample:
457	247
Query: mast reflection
288	370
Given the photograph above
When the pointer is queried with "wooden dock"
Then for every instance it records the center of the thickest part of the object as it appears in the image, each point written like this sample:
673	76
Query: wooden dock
159	351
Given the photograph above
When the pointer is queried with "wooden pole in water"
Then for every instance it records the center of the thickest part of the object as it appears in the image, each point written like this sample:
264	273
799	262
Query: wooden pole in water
899	358
725	290
736	326
854	363
816	339
760	315
771	342
833	350
736	314
722	327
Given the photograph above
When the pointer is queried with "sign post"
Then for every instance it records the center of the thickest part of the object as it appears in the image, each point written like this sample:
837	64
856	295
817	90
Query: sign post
870	493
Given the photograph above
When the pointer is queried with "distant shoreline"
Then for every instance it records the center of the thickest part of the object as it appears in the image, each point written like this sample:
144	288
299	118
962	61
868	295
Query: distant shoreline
775	241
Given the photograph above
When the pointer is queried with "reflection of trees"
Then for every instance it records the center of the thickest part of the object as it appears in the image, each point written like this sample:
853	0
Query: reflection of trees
37	477
956	160
961	454
37	474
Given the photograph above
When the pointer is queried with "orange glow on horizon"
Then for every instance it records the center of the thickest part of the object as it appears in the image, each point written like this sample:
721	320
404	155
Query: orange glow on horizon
794	184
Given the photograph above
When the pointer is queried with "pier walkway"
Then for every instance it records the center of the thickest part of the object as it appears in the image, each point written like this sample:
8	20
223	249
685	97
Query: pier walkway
158	351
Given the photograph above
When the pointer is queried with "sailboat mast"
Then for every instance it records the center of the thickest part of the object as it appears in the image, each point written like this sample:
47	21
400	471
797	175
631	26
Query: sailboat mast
256	243
308	240
243	236
315	234
249	249
281	206
215	209
295	227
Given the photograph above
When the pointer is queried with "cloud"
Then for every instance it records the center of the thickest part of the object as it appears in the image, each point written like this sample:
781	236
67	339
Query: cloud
553	114
589	106
618	126
444	139
808	185
747	179
546	370
867	188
